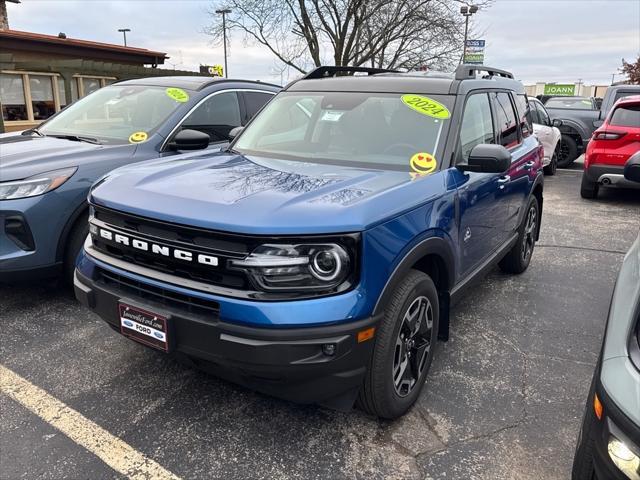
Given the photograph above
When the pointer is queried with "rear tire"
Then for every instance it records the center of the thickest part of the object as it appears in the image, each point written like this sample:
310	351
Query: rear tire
568	151
553	165
583	459
588	189
75	241
404	344
519	257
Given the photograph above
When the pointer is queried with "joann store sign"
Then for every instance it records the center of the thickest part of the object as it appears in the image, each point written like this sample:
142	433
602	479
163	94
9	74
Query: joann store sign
560	89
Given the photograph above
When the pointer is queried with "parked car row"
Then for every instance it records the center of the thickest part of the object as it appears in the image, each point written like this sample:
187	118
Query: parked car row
580	117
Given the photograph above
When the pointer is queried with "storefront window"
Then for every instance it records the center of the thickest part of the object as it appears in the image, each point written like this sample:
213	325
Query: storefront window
90	85
61	92
42	96
14	106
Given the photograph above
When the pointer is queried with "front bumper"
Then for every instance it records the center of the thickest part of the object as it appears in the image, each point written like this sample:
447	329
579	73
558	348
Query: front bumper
614	423
288	363
33	253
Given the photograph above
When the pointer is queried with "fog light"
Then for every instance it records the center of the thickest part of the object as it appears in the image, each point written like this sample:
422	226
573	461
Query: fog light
627	461
329	349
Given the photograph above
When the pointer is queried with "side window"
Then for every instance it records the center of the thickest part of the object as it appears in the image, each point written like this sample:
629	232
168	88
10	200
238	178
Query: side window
216	116
254	101
523	109
477	125
506	122
534	111
544	116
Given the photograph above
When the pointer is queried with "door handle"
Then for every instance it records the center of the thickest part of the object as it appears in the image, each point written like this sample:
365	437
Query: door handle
502	181
529	165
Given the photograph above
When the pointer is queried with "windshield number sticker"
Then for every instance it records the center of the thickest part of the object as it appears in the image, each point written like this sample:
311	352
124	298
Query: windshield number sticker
422	164
177	94
426	106
138	137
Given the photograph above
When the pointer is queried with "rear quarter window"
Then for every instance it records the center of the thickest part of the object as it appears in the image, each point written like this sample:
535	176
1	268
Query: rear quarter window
626	116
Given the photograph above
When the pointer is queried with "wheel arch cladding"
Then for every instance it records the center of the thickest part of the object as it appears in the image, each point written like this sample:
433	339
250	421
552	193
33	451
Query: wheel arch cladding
77	214
434	257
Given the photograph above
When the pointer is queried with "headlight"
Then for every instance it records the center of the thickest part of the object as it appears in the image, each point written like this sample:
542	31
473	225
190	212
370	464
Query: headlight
35	185
627	461
301	267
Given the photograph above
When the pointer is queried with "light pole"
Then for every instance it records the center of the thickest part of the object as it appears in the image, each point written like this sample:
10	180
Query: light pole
466	11
124	32
224	12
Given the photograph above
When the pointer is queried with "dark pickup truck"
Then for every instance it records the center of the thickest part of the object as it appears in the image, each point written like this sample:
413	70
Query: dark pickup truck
579	123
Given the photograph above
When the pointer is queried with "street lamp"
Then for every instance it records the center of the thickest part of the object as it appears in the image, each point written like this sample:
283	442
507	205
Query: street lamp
466	11
224	12
124	32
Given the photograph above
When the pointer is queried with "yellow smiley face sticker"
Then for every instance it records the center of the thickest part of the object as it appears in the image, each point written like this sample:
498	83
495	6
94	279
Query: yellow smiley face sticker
138	137
421	164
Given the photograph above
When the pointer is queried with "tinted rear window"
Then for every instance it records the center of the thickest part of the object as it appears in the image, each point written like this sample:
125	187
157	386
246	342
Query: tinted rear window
627	116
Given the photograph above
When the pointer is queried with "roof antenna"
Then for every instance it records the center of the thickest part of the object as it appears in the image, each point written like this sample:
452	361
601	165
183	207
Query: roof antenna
62	35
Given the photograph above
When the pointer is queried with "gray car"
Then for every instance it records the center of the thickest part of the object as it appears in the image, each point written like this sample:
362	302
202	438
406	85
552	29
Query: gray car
609	441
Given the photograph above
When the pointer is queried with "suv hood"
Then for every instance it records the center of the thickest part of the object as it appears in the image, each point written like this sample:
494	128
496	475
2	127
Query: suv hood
22	156
259	195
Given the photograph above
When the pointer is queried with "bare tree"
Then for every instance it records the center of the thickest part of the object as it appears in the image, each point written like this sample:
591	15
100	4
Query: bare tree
401	34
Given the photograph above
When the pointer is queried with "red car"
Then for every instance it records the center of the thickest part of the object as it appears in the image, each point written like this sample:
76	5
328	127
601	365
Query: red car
610	148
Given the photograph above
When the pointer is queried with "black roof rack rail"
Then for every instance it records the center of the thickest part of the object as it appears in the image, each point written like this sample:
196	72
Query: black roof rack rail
331	71
466	71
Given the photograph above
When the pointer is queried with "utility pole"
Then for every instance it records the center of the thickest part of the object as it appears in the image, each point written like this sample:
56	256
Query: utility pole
224	12
466	11
124	33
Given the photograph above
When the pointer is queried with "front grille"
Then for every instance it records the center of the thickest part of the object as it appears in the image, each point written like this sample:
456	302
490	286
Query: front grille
221	245
127	287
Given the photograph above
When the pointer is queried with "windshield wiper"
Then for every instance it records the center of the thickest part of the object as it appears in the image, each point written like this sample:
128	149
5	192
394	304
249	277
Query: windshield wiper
78	138
33	130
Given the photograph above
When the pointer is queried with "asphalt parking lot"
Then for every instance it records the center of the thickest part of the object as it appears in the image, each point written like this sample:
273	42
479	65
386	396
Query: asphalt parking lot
504	398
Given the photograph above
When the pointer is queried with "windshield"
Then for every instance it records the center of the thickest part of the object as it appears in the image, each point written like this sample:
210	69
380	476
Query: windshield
580	103
115	114
369	129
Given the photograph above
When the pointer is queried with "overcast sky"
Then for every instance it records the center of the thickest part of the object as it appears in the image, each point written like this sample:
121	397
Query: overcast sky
539	40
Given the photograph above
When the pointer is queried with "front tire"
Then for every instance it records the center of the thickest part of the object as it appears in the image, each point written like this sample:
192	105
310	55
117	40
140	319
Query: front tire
403	351
519	257
568	151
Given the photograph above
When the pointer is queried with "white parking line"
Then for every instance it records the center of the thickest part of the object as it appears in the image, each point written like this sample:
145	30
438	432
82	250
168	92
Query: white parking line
110	449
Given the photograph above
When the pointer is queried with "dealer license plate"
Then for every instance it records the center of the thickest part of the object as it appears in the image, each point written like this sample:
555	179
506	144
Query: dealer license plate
144	326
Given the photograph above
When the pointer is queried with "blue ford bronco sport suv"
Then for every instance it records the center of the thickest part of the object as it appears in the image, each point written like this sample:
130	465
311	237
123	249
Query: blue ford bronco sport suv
316	258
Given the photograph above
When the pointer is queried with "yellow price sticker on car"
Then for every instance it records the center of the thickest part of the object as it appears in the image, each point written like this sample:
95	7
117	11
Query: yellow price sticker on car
426	106
177	94
138	137
421	164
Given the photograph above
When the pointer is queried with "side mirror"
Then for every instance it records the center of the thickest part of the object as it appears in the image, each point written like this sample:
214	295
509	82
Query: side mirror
234	132
556	122
632	168
190	140
487	158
